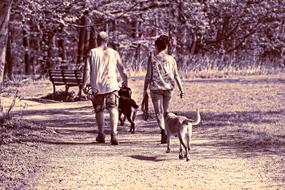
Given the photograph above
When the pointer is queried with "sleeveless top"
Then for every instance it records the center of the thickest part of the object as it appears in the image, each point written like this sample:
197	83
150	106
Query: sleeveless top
102	66
161	72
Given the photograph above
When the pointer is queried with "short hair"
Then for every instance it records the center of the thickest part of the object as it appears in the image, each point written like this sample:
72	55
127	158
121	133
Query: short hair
162	42
102	37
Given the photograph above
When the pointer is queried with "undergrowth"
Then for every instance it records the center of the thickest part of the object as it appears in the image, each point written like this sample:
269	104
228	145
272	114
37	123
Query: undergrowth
12	129
15	130
65	97
211	66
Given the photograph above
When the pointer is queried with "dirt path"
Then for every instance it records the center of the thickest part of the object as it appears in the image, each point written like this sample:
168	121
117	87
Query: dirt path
239	145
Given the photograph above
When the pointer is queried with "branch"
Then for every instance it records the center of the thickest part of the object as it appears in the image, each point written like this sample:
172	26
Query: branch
225	37
251	2
127	11
12	104
242	41
101	14
150	5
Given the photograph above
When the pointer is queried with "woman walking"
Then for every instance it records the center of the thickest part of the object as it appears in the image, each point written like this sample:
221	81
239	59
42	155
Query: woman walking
161	76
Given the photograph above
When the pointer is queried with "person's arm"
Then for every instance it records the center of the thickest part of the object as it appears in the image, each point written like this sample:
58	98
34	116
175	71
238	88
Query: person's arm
178	80
122	70
86	76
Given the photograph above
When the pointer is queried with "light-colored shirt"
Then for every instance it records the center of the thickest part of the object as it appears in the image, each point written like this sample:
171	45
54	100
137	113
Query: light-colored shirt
101	69
162	72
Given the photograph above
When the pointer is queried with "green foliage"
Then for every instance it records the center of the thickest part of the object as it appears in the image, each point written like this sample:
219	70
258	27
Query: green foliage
251	27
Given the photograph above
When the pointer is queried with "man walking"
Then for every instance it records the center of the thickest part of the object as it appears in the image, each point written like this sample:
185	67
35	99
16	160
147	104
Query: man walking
100	69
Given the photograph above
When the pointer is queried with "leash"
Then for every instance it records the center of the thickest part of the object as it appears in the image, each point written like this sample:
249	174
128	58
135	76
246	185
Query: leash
144	107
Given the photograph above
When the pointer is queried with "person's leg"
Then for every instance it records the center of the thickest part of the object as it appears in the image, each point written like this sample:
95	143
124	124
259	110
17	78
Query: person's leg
99	115
114	118
167	94
157	100
100	121
112	106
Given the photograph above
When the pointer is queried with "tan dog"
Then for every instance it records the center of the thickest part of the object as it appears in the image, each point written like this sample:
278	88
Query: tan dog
182	127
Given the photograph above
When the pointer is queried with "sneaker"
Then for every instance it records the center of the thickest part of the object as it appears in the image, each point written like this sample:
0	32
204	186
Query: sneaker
100	138
163	137
114	139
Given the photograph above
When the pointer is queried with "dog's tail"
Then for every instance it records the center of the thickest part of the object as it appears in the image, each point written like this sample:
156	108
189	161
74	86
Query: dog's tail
198	120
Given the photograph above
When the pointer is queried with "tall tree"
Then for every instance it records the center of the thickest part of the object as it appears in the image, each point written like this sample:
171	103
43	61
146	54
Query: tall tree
5	7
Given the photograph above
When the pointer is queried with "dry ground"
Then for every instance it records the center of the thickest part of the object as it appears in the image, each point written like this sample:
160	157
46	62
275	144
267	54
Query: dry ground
238	145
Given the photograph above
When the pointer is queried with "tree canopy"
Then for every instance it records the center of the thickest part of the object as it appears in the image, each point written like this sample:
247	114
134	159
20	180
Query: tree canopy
46	32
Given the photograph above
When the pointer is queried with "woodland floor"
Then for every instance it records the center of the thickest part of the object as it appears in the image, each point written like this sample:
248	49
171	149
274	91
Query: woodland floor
240	143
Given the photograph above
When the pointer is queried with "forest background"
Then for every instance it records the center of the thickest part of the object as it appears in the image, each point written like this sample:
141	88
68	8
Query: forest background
209	36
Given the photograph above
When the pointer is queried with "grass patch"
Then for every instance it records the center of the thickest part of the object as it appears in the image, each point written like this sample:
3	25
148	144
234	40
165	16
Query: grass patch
17	130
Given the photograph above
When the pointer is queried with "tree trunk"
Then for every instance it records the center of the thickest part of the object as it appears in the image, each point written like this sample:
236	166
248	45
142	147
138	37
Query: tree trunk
61	49
92	40
193	45
47	49
9	58
5	7
86	41
44	49
27	52
82	37
50	52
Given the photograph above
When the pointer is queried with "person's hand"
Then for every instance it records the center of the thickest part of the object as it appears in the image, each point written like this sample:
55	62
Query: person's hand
181	94
86	89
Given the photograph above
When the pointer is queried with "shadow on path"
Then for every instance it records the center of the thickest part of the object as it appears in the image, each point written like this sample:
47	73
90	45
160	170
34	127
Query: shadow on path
241	132
147	158
241	81
228	133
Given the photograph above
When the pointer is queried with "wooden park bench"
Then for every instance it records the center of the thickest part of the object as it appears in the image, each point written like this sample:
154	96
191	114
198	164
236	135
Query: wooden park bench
67	77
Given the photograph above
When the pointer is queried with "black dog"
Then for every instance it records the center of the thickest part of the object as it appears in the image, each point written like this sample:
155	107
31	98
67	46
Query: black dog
128	107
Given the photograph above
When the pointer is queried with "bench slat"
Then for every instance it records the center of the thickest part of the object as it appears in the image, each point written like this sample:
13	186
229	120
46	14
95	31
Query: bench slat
66	75
52	72
61	84
67	80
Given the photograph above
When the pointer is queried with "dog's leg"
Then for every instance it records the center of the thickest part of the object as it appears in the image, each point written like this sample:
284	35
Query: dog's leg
124	119
183	142
120	118
168	143
132	128
181	155
134	114
182	138
189	138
